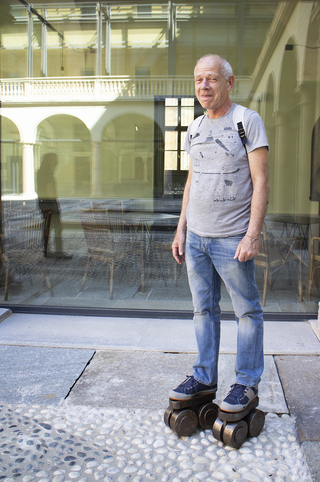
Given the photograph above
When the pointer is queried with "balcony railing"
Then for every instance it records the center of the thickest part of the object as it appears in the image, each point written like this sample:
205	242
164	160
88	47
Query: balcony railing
104	89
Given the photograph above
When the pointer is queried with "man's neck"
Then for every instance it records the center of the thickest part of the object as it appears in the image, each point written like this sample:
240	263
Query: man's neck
215	114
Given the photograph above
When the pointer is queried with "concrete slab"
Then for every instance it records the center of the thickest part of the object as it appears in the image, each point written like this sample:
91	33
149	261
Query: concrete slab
300	381
144	334
312	453
39	375
142	380
4	313
315	325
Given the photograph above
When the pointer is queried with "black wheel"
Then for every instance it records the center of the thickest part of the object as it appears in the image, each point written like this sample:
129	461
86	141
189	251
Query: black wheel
235	434
184	422
167	416
217	429
255	421
207	414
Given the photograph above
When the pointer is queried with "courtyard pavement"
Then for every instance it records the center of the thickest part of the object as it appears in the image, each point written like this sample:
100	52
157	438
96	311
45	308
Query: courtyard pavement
82	398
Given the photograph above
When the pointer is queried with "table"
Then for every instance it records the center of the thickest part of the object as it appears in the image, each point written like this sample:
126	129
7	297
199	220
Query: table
295	225
148	224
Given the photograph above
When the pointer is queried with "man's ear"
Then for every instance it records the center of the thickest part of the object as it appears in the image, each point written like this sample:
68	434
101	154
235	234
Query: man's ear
230	83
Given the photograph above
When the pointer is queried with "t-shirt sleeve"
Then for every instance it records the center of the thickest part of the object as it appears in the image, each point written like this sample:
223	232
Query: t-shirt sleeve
255	131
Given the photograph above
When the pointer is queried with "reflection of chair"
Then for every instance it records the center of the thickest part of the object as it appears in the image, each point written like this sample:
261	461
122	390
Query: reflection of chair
273	259
161	244
312	263
23	243
107	240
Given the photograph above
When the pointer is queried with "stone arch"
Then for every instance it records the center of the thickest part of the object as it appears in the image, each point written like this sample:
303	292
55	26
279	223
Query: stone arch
70	139
311	115
127	156
11	157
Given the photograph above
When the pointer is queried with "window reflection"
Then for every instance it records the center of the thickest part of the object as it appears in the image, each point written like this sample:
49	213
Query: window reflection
109	90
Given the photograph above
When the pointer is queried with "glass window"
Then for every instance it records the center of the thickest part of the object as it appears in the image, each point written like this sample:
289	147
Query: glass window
96	99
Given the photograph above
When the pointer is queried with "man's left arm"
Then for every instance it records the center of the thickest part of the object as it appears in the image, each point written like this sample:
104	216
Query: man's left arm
248	248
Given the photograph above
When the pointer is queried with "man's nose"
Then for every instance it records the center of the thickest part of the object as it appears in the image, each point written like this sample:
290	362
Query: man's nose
204	84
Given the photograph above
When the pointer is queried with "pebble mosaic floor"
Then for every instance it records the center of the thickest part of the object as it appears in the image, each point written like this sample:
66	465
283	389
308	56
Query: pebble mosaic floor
63	442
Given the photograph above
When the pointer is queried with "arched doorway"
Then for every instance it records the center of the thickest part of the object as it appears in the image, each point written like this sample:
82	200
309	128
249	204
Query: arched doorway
127	157
11	158
70	139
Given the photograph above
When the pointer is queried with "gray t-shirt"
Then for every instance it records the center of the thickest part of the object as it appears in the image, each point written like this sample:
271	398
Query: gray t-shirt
221	186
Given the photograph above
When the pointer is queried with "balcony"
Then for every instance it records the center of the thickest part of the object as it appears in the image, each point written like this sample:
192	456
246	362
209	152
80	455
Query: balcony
104	89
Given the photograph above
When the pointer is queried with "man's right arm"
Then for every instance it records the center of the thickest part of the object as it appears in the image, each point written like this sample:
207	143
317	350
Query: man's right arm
180	237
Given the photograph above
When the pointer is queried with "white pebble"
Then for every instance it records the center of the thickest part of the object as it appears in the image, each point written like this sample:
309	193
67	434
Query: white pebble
186	464
233	455
130	469
159	458
159	443
181	446
173	470
259	453
198	467
172	455
185	474
113	470
201	460
219	475
202	475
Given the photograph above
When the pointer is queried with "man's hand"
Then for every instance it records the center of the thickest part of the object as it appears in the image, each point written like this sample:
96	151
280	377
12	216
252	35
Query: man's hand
247	249
178	246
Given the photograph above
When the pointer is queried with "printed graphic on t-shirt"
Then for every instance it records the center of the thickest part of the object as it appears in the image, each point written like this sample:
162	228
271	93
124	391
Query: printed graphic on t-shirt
214	166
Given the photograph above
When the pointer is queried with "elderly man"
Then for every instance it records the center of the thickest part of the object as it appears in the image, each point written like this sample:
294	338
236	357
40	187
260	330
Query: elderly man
223	209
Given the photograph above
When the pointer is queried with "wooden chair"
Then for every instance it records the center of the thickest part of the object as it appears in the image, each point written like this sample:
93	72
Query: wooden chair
161	244
109	242
314	257
274	254
23	240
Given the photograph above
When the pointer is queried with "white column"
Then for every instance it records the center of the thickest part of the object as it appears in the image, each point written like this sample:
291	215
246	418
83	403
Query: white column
28	187
96	170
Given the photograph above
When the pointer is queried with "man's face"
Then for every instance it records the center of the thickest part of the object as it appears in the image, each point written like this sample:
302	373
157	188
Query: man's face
212	89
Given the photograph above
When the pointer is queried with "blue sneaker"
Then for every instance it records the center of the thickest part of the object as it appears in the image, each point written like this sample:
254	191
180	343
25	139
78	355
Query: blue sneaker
190	389
238	398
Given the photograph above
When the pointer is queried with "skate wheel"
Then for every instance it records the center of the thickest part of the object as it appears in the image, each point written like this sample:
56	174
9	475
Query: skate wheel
218	428
207	414
235	434
255	421
167	416
184	422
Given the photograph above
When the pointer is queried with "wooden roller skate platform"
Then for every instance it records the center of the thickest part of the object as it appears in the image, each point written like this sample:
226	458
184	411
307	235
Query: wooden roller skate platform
193	402
233	428
184	416
236	416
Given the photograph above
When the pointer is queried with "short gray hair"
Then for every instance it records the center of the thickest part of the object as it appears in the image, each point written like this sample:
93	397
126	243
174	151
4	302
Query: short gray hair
226	68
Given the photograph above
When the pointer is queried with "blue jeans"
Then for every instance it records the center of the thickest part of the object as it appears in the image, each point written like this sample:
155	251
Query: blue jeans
208	261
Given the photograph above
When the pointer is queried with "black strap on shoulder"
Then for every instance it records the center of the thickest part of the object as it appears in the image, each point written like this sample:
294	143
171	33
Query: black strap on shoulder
242	133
